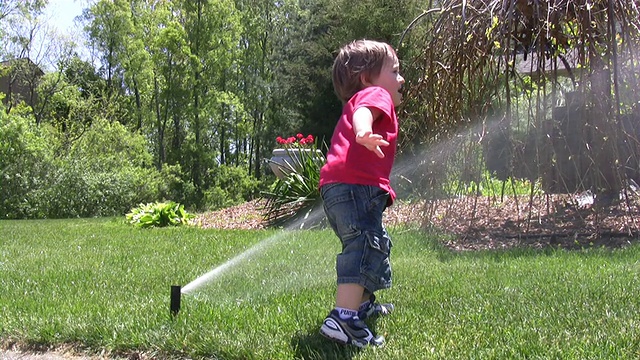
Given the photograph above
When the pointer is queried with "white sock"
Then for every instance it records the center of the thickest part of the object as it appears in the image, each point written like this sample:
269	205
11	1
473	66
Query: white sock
346	313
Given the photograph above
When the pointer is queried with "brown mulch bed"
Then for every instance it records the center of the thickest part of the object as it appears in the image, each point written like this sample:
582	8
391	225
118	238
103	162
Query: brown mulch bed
476	223
248	216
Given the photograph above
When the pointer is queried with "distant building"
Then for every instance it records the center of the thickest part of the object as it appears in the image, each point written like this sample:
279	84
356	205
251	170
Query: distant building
19	79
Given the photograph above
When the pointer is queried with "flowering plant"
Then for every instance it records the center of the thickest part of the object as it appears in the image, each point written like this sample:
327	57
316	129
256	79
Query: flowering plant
296	141
297	168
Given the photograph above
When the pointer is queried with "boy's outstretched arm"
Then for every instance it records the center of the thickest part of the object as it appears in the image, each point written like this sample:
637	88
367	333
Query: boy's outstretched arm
362	126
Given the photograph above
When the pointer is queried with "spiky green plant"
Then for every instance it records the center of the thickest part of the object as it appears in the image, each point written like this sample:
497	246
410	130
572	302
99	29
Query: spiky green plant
297	192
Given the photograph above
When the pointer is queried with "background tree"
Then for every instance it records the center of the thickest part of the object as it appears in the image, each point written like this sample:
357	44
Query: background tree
18	26
318	30
539	91
266	25
208	84
25	161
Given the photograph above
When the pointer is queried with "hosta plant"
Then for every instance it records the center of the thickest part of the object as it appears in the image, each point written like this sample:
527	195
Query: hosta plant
159	214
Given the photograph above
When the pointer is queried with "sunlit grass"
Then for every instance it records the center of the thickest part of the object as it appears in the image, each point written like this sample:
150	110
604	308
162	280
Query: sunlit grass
102	285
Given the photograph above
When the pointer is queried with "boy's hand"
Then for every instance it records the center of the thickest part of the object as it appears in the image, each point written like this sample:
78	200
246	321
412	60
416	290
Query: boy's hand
372	142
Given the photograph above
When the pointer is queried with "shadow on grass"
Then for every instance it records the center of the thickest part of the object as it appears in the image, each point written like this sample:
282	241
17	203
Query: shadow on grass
310	345
446	248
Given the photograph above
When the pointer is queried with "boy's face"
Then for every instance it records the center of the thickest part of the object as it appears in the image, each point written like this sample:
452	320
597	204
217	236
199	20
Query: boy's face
390	79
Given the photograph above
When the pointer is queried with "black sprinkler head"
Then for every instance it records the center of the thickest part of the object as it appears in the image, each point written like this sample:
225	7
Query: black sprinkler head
175	299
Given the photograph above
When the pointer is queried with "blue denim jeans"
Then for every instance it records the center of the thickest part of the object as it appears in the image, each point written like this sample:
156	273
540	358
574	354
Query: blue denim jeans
355	214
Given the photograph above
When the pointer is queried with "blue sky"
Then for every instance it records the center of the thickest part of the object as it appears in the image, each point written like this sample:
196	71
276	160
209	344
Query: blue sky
57	28
60	14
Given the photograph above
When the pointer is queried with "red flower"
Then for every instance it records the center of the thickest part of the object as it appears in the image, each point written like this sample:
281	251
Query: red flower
296	141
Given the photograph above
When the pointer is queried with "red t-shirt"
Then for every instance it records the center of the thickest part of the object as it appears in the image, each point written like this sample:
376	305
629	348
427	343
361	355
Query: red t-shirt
351	163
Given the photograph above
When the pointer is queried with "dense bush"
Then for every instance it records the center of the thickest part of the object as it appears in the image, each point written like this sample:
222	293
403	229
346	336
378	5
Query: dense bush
229	186
105	172
77	190
175	185
25	163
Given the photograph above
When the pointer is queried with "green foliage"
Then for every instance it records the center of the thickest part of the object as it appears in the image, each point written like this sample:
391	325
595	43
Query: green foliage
68	100
176	185
103	173
491	186
229	185
16	26
25	164
159	214
77	189
203	82
109	146
297	192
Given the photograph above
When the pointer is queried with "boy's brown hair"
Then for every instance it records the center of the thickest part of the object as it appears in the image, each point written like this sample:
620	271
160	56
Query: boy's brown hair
355	60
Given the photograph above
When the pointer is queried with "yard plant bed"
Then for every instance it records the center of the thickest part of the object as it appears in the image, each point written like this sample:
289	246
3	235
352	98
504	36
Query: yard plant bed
481	223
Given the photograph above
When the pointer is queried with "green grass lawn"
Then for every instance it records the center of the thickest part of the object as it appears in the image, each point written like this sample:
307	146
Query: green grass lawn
100	284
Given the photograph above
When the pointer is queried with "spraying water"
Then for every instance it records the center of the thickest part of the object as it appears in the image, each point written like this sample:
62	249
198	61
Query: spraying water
211	275
314	216
218	271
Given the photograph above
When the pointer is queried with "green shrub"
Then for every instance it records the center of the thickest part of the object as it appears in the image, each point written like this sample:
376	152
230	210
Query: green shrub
110	146
176	185
492	186
68	193
26	155
104	173
229	185
159	214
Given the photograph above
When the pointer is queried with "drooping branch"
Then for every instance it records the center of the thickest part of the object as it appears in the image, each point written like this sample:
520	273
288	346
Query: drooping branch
541	90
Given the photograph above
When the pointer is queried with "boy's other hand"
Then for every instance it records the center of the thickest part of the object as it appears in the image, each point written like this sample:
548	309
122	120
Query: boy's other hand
372	142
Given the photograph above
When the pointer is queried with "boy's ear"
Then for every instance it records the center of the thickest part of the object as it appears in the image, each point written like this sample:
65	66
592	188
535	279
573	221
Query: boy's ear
364	80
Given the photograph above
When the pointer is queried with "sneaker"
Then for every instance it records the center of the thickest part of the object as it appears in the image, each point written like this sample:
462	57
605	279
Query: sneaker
375	309
350	331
